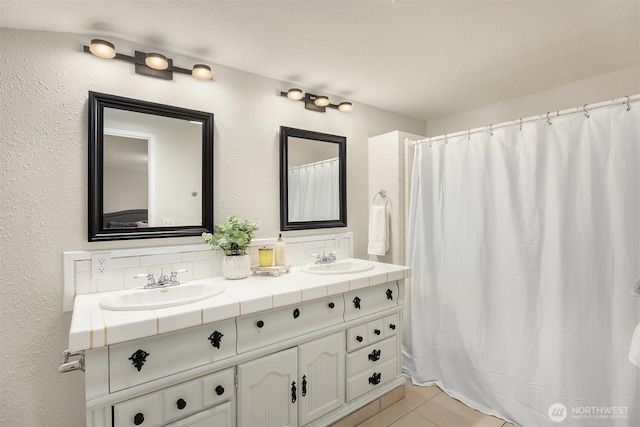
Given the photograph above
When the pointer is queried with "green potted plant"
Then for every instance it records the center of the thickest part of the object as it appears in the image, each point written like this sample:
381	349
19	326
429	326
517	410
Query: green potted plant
233	237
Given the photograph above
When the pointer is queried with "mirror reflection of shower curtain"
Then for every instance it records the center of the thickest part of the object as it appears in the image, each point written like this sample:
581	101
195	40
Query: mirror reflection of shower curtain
314	191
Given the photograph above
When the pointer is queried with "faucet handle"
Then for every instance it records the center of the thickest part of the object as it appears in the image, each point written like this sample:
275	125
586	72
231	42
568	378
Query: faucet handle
174	274
149	277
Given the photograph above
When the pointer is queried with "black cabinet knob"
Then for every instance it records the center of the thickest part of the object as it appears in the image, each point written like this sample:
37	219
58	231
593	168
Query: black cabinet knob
181	404
296	313
359	338
375	378
392	327
376	331
260	324
374	356
331	305
219	390
138	418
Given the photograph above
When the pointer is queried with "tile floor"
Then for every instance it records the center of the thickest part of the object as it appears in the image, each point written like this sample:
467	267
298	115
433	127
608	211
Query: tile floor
430	407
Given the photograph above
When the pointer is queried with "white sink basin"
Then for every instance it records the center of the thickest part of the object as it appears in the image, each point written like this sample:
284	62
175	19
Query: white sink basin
339	267
148	299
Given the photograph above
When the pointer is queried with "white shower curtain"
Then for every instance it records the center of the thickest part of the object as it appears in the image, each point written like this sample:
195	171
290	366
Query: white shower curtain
524	247
314	191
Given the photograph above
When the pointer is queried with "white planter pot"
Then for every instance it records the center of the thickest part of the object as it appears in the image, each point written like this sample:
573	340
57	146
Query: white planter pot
236	266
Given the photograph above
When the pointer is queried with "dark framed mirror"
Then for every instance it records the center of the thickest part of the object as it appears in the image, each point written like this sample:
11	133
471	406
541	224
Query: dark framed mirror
313	180
150	169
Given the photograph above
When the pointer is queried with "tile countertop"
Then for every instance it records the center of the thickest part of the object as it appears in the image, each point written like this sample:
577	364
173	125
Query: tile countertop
93	327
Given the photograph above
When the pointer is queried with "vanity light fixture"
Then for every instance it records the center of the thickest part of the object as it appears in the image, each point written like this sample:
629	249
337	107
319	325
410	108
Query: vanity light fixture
315	102
148	64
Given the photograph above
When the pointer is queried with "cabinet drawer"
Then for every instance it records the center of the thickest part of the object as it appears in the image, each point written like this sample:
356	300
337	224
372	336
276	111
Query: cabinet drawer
357	337
365	301
368	380
218	387
220	416
262	329
147	359
390	325
141	411
181	400
372	356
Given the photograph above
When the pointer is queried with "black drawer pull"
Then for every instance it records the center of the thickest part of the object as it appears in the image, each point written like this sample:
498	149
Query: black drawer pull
374	356
260	324
392	327
376	331
219	390
331	305
389	294
359	338
181	404
375	378
296	313
137	359
293	392
138	418
356	302
215	339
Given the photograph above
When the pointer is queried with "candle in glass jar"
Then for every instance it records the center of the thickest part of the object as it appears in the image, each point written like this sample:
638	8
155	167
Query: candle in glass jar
265	257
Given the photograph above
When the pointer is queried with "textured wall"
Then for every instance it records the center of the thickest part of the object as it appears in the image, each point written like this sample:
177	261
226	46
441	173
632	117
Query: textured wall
44	81
575	94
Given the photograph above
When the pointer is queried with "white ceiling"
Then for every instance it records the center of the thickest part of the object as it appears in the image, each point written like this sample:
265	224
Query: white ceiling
419	58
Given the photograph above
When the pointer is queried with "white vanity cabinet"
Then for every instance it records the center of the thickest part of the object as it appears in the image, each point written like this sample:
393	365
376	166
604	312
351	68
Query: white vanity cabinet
305	364
294	386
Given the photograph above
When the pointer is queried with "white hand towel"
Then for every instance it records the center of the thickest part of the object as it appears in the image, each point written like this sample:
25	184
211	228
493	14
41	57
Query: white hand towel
634	349
378	230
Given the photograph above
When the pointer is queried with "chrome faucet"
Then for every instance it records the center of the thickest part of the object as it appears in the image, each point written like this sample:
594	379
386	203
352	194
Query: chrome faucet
163	281
325	259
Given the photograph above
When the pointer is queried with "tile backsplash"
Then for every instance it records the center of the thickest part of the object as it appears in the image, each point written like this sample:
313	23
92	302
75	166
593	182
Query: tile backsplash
199	260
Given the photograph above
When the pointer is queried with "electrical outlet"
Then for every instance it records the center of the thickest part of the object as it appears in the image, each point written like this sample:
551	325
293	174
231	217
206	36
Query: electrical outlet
100	265
167	221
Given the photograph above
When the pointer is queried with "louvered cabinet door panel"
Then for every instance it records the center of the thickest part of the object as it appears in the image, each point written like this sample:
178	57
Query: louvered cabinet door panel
321	376
268	390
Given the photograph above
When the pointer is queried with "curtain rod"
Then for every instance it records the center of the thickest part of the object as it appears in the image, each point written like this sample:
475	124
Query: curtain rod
314	164
585	109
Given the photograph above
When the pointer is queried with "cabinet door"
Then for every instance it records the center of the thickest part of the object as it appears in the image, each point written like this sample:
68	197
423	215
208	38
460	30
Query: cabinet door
268	390
321	376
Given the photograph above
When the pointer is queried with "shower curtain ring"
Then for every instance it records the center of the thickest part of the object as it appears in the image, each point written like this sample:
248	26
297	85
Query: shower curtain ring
627	103
520	124
468	134
446	141
548	119
491	129
586	113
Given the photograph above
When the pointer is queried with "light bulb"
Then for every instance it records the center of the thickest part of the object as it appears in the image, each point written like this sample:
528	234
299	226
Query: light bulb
321	101
295	94
102	48
201	71
156	61
345	107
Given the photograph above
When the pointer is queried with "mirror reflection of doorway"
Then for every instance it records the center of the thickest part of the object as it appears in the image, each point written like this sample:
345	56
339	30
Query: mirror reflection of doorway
129	190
